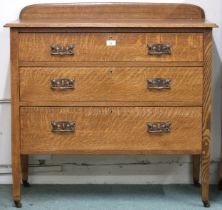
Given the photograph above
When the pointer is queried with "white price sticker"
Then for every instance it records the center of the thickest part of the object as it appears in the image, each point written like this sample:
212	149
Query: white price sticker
110	42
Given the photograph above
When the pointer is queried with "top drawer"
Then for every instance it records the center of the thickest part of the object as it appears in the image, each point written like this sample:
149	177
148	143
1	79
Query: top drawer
58	47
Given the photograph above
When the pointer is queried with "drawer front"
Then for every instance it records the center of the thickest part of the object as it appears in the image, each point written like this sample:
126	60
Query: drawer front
114	130
111	47
111	84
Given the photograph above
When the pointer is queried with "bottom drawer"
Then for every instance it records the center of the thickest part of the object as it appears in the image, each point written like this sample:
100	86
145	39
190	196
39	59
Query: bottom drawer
111	130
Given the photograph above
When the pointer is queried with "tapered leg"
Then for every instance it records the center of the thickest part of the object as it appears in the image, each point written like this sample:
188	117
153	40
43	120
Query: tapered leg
24	166
206	123
205	167
196	170
16	175
16	153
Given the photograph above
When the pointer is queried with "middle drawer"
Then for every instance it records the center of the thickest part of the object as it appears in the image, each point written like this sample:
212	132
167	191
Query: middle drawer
130	84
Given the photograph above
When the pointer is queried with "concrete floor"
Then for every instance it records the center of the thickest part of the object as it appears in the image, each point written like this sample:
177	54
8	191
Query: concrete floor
110	197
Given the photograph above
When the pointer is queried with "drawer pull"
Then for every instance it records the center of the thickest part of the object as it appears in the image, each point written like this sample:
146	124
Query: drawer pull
158	83
63	126
62	50
159	49
159	127
62	84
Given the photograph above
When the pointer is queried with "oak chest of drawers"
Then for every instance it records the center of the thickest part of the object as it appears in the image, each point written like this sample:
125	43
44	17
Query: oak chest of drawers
111	79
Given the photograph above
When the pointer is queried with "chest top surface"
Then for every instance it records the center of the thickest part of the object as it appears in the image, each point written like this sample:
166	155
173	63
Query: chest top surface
99	15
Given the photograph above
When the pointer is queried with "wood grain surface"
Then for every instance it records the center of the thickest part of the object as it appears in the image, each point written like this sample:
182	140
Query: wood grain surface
111	11
111	64
15	122
129	46
206	137
113	23
112	15
110	130
112	84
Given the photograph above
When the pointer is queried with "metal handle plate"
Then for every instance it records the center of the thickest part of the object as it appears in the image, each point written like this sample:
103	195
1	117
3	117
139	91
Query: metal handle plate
159	49
159	127
159	83
63	126
62	84
62	50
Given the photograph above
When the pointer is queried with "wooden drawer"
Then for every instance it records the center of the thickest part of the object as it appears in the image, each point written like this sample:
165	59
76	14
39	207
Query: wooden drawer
112	130
94	47
112	84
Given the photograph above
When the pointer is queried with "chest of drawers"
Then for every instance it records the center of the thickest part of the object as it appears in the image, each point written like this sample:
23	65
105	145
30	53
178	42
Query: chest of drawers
111	79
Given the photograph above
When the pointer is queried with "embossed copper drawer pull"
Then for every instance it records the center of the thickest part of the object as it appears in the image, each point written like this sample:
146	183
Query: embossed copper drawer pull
63	126
62	50
62	84
159	83
159	49
159	127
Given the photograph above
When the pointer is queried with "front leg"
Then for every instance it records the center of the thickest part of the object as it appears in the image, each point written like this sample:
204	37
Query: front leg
15	128
205	167
16	177
206	123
